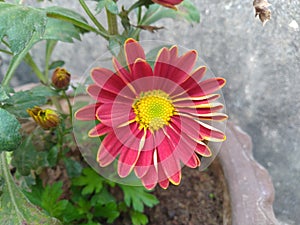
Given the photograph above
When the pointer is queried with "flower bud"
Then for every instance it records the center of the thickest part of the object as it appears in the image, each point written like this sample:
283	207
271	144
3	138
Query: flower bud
61	78
46	118
168	3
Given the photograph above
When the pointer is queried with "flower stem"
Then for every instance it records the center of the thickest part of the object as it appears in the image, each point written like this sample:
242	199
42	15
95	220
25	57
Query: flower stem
6	52
69	105
112	23
50	45
92	17
29	60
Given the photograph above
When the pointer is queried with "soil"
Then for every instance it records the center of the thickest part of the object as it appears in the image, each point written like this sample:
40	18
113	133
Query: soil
200	199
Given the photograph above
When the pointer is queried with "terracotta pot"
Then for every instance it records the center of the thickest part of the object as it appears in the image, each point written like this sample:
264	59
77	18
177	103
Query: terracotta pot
249	184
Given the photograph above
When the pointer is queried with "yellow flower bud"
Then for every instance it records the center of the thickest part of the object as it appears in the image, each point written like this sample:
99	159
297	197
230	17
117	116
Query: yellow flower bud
46	118
61	78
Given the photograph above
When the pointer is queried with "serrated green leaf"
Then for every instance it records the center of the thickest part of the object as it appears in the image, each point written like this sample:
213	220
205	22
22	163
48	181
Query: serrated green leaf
138	218
138	196
110	5
27	158
23	100
14	206
48	198
19	23
10	136
109	211
90	180
102	198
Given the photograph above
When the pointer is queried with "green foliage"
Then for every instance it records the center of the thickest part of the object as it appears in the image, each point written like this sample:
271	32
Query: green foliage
55	64
110	5
186	10
19	24
52	23
91	181
14	206
10	136
138	218
73	167
138	197
49	198
20	101
61	31
27	158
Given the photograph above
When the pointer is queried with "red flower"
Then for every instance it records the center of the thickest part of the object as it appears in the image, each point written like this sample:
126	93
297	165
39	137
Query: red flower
168	3
153	117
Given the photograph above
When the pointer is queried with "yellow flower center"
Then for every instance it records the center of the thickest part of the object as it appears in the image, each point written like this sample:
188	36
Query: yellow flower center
153	109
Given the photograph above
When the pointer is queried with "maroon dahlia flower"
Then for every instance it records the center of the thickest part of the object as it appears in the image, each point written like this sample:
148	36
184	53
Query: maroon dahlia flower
153	118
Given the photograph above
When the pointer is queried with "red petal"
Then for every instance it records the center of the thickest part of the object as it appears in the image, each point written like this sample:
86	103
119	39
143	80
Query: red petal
114	115
193	162
203	150
87	112
144	162
127	161
99	130
176	178
121	71
164	183
150	179
108	150
111	82
133	51
207	87
187	61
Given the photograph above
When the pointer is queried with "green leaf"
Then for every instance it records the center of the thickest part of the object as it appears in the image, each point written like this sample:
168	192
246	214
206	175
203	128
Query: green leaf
27	158
19	23
109	211
186	10
25	26
90	180
138	218
48	198
73	168
23	100
10	136
14	206
138	196
61	31
110	5
102	198
68	15
55	64
3	94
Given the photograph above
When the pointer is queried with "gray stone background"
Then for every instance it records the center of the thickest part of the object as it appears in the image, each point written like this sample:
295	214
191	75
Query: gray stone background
262	68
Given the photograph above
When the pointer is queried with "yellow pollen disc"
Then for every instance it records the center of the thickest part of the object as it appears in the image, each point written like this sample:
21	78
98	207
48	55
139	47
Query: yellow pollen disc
153	109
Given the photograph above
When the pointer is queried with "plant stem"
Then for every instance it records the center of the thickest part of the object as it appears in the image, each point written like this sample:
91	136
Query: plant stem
91	16
112	23
29	60
69	105
5	51
56	103
50	45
